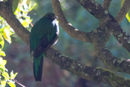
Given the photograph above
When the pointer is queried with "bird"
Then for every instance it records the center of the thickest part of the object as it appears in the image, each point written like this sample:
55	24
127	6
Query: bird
44	34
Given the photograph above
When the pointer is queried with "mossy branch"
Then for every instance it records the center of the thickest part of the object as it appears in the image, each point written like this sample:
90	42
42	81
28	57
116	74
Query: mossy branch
110	23
123	11
88	73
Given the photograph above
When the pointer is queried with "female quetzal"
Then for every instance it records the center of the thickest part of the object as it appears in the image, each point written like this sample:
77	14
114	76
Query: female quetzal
43	35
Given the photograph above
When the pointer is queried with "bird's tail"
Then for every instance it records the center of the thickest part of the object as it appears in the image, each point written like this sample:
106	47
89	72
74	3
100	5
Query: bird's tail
37	67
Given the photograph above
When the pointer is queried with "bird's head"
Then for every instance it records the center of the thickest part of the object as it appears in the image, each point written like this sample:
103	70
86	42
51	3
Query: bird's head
50	16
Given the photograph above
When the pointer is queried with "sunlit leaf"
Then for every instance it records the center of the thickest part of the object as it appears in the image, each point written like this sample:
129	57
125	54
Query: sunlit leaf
3	62
128	16
1	31
25	23
3	83
7	34
12	75
1	42
5	75
11	83
2	68
31	7
2	53
2	65
17	11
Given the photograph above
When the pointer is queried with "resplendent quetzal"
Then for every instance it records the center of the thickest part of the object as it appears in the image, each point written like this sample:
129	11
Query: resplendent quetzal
43	35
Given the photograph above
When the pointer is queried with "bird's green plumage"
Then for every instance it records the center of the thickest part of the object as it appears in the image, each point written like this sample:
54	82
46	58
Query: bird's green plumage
43	34
37	63
41	28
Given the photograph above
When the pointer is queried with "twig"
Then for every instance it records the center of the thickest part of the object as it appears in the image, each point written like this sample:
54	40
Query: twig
13	80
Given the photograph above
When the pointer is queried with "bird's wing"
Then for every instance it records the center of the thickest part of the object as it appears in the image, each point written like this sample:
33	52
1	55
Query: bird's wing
43	35
43	45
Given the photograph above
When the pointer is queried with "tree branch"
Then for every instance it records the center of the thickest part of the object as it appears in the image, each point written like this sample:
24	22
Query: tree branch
111	62
123	11
75	33
88	73
100	38
106	4
7	14
110	23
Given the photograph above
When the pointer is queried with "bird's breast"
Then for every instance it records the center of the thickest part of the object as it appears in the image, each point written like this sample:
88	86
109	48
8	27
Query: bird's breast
55	24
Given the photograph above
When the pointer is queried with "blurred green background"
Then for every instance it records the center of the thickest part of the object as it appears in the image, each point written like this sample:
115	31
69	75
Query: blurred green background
19	60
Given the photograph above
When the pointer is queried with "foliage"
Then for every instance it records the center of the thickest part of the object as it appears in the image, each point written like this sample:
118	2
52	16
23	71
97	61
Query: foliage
20	9
128	16
5	33
4	75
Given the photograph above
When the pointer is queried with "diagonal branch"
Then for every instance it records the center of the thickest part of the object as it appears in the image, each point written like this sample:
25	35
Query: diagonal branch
111	62
85	72
106	4
110	23
88	73
7	14
123	11
75	33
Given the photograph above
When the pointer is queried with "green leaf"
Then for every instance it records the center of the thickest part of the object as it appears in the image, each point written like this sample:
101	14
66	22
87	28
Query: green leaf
5	75
2	53
31	7
3	83
2	69
26	22
2	65
1	31
1	42
12	75
128	16
7	35
15	5
11	83
2	62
